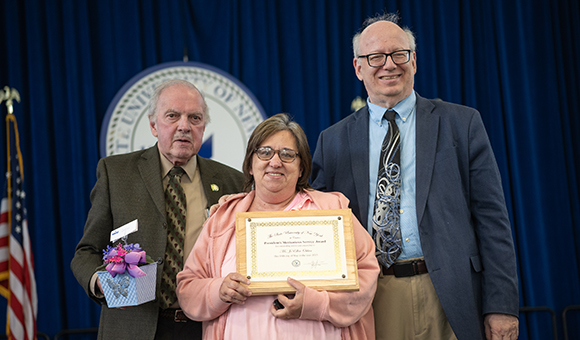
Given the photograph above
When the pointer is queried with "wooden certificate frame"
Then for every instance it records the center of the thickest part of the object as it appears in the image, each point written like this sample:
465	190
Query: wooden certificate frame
315	247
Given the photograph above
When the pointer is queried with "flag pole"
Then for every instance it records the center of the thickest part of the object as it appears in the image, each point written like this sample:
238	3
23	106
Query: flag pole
9	94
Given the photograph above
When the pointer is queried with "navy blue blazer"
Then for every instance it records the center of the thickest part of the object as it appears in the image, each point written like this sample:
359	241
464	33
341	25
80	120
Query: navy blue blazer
463	221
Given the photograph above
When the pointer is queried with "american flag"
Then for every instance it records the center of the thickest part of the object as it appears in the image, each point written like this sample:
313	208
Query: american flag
17	282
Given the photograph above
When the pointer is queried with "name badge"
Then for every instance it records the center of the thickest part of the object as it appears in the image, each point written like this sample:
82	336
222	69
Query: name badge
124	230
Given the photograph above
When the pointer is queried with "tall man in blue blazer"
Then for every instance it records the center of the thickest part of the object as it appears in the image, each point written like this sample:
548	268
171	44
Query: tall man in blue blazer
456	276
132	186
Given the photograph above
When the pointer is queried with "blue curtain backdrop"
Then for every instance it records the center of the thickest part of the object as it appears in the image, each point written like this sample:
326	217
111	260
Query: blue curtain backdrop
516	61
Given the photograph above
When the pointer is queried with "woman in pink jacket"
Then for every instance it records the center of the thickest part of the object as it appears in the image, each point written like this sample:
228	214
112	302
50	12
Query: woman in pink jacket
277	167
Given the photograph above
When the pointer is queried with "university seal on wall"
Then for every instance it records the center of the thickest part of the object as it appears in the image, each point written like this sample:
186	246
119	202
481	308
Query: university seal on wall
233	109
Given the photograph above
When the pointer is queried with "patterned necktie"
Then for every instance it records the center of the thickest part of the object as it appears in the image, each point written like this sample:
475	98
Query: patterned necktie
388	197
175	206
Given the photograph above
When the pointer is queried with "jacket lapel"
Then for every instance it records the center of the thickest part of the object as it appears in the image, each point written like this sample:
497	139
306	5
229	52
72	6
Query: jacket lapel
150	170
426	144
358	135
209	181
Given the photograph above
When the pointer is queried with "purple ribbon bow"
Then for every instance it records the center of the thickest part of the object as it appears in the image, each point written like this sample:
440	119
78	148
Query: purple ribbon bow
132	259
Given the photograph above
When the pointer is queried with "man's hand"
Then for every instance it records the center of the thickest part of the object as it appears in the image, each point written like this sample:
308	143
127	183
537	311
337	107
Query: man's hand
501	326
221	201
233	290
100	287
292	307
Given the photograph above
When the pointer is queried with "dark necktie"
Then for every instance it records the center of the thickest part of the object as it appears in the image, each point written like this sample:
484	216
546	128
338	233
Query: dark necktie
388	196
175	205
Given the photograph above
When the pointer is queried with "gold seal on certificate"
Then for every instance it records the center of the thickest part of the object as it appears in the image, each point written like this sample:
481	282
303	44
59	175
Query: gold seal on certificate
315	247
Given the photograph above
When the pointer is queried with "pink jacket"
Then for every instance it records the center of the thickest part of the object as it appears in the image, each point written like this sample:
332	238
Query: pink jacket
199	283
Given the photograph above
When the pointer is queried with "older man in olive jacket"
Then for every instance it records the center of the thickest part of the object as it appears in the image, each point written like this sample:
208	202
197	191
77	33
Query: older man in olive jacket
132	186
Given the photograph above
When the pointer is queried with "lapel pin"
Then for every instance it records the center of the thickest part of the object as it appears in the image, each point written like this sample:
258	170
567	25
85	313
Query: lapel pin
214	187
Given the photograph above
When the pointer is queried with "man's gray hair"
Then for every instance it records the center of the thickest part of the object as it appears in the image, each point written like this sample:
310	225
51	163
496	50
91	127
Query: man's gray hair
152	105
391	17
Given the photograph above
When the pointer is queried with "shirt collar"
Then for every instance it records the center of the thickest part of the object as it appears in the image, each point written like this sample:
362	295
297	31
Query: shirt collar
403	108
189	167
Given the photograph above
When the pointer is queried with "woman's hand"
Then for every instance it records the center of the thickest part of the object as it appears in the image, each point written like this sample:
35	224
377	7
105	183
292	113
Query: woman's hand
233	290
292	307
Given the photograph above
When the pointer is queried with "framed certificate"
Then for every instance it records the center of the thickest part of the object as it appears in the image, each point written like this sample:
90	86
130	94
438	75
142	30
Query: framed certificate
315	247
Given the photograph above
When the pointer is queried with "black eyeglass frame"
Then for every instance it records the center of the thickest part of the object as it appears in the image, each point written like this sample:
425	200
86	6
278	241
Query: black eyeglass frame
387	55
275	152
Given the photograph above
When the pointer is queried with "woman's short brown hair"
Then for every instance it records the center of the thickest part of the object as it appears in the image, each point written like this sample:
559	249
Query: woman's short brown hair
277	123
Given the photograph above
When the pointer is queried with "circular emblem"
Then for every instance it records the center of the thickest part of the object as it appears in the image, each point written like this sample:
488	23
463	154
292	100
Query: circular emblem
296	263
233	110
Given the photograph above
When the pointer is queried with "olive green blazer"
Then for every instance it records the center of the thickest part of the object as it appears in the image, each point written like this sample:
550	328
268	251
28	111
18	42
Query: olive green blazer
130	187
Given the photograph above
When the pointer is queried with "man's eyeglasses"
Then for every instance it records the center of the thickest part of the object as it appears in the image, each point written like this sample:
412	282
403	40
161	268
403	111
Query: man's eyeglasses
380	59
266	153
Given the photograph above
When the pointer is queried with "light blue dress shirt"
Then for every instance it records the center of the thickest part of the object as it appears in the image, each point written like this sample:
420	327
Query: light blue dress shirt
405	120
